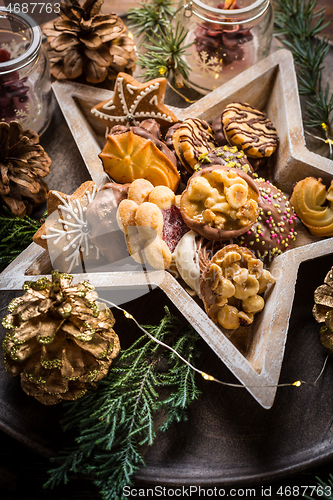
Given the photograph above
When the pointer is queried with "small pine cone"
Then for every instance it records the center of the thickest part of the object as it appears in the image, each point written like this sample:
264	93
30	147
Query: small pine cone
59	339
23	163
82	41
323	310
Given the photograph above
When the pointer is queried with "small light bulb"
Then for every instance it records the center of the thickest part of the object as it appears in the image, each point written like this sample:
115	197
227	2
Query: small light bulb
207	377
297	383
128	315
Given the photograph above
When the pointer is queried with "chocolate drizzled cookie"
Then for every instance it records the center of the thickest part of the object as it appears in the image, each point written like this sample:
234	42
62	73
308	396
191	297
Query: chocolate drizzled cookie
189	140
250	129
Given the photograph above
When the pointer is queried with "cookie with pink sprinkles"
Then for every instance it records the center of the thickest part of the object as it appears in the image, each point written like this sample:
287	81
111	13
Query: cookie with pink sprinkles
274	230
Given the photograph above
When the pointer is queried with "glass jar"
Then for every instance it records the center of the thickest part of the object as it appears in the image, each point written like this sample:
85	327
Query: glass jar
224	41
25	84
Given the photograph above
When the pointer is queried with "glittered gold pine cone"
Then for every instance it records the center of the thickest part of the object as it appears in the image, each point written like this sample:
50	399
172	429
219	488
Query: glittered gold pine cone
323	310
84	42
59	339
23	164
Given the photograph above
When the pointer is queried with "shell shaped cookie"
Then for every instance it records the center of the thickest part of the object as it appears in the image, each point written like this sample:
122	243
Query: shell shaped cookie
133	153
250	129
314	205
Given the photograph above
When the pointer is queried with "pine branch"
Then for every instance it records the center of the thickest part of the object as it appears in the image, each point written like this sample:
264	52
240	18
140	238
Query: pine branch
117	419
15	235
298	26
163	42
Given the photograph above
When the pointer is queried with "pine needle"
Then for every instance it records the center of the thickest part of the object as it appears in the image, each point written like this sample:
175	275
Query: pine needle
116	420
15	235
298	25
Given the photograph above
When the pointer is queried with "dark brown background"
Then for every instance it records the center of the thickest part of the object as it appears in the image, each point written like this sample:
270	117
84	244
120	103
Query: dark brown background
22	471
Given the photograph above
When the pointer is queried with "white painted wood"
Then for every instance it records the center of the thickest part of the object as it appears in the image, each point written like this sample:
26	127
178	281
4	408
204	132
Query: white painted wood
271	86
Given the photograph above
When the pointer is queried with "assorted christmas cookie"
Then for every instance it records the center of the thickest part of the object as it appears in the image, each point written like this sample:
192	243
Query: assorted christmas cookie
231	287
244	126
189	140
23	165
101	219
134	102
220	202
151	223
59	339
65	234
134	153
274	230
229	156
313	205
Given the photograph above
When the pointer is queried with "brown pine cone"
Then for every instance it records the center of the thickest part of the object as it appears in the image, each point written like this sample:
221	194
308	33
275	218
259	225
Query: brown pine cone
82	40
23	162
323	310
59	339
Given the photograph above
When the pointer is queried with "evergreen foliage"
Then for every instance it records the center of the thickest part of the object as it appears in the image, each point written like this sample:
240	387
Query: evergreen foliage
298	23
15	235
117	419
164	52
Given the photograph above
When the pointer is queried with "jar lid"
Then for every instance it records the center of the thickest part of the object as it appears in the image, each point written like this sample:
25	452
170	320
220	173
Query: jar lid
215	15
22	23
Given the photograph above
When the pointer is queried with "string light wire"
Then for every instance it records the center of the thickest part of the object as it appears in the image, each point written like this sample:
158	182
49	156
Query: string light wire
204	375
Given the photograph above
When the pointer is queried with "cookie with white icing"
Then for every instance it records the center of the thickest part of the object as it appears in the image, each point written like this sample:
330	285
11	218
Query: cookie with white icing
134	102
65	233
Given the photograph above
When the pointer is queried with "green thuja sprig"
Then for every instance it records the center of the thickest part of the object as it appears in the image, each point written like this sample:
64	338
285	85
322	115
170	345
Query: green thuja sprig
298	26
116	420
15	235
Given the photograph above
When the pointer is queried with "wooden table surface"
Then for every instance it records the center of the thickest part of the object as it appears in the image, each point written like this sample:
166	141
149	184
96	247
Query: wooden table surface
23	472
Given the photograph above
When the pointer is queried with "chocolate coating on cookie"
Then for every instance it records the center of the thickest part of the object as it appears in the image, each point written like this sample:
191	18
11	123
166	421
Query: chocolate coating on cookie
101	219
229	156
190	139
220	203
274	231
250	129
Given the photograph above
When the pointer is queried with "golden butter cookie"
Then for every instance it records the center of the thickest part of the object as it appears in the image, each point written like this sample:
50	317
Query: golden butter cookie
133	153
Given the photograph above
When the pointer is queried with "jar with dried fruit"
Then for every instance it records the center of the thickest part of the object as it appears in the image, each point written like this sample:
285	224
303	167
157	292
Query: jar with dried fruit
25	85
226	38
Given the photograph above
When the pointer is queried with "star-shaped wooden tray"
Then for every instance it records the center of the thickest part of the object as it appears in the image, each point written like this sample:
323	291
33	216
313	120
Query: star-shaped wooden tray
270	86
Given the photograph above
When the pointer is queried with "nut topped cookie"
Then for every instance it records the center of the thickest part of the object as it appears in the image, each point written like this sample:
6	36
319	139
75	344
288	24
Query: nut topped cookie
231	287
189	140
220	202
250	129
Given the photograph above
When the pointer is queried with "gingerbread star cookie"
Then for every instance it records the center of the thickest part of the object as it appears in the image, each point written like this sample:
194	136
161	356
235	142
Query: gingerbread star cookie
134	102
65	234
